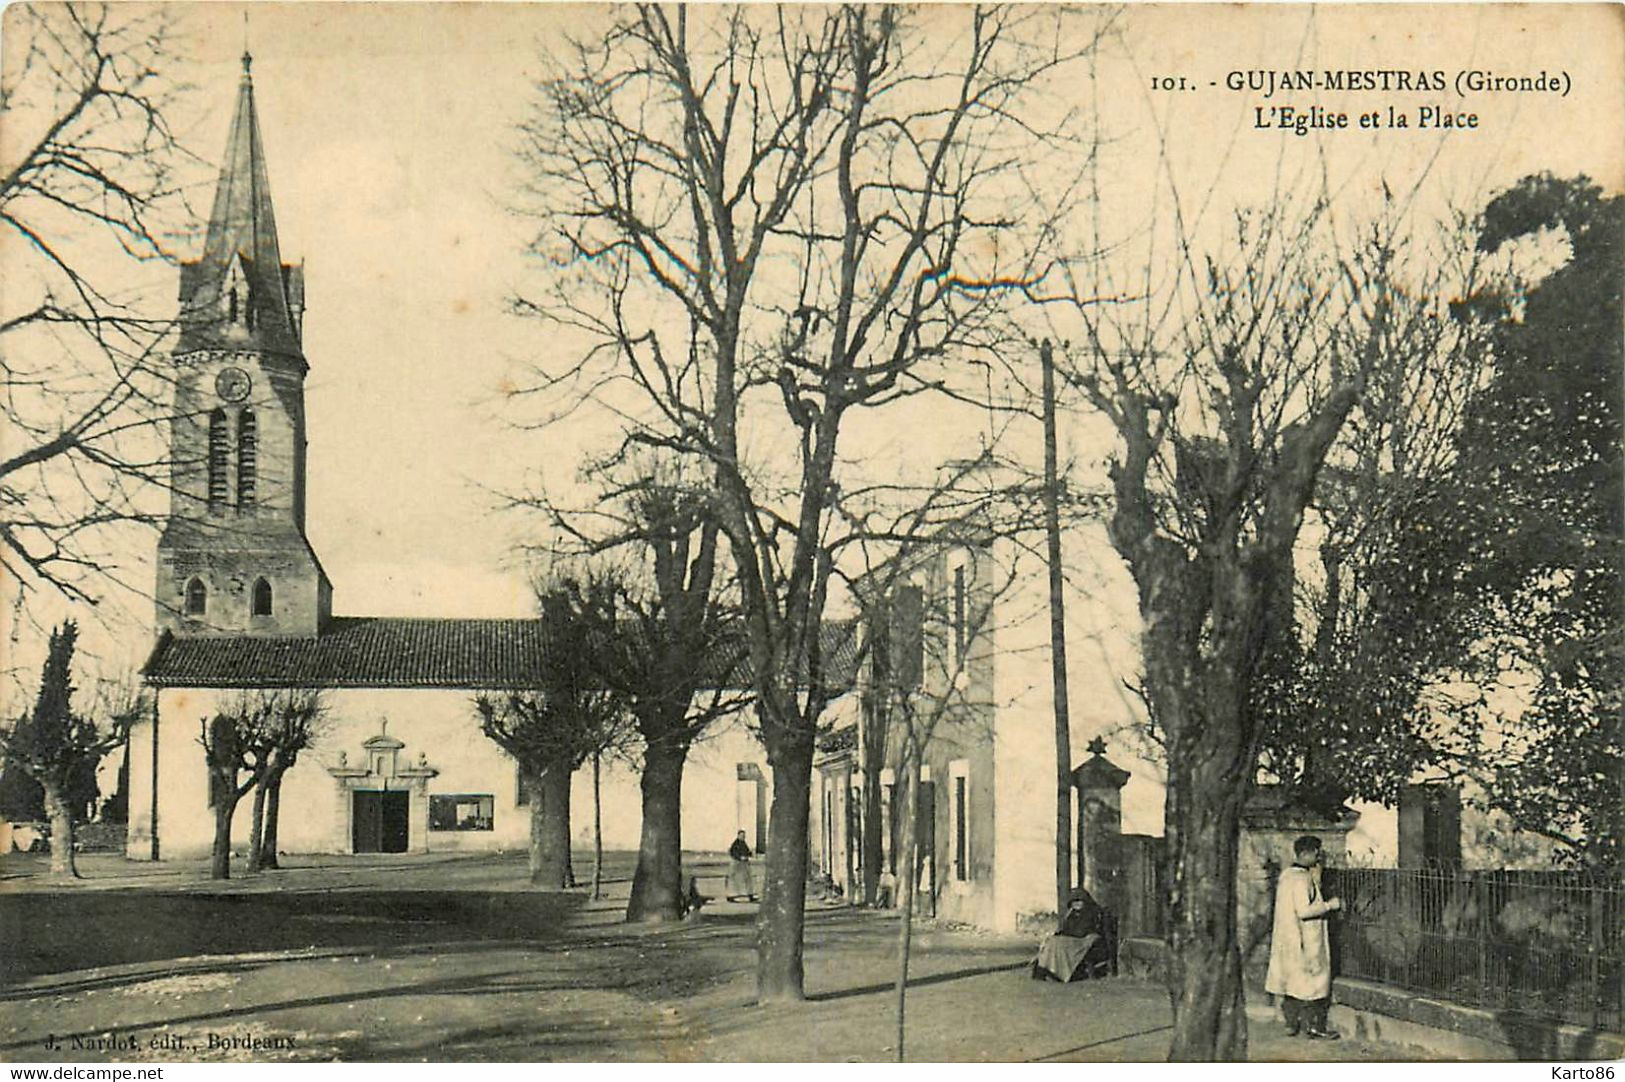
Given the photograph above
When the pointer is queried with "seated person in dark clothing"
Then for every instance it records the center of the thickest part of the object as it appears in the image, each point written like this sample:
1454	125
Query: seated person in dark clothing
693	901
1079	944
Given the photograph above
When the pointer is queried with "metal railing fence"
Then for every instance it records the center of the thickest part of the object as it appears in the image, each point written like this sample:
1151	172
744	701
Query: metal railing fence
1548	944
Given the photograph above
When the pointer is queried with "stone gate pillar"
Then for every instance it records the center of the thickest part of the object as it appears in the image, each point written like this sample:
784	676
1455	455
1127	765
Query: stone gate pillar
1099	783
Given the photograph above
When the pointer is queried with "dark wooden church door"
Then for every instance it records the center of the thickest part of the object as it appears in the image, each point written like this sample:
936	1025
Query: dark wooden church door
379	822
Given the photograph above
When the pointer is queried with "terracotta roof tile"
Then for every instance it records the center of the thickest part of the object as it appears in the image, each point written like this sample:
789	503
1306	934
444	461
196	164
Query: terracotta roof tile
395	652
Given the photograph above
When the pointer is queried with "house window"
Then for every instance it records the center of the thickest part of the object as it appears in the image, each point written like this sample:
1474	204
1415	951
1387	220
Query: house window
247	457
262	598
888	820
959	818
925	831
197	598
854	826
462	811
218	450
908	637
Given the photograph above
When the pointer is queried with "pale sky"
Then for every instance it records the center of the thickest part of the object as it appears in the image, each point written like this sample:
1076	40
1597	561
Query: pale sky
387	130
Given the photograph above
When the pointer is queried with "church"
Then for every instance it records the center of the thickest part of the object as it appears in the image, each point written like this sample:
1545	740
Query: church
244	603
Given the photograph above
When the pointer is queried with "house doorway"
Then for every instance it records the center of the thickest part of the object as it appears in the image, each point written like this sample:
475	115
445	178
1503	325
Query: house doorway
379	822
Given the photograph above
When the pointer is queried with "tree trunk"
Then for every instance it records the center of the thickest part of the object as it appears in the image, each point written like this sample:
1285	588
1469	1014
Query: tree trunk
907	887
657	884
273	806
220	856
256	828
783	914
874	856
550	828
1207	787
64	865
597	830
538	827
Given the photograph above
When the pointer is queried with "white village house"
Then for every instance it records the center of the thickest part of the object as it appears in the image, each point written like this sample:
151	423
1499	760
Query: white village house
243	603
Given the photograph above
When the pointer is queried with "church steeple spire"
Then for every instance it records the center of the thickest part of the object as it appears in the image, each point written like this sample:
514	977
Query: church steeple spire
233	557
239	295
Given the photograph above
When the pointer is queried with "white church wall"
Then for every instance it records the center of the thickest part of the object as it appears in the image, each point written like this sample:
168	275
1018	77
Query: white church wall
717	802
138	837
711	804
441	725
437	723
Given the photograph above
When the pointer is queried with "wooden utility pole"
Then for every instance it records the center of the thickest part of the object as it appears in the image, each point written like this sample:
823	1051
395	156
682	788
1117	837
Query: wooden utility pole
1057	640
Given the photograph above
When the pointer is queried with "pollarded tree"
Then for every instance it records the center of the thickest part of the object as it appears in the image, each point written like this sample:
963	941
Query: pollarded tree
57	747
237	746
679	667
675	649
296	719
1227	394
568	716
761	221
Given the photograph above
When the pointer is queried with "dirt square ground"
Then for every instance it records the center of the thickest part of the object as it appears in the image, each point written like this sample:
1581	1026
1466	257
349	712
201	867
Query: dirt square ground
457	959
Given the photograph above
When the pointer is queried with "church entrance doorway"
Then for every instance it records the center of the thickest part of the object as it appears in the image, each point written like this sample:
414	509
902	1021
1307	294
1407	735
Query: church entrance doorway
379	822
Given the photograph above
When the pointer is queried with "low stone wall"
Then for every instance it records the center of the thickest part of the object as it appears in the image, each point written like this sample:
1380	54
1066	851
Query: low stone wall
87	837
1381	1012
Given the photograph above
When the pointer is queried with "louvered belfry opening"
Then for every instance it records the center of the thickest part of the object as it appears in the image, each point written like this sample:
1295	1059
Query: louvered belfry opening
218	454
247	458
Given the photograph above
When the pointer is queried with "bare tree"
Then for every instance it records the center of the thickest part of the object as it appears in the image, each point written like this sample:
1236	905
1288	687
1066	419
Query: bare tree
681	671
88	190
1227	393
675	648
777	217
570	715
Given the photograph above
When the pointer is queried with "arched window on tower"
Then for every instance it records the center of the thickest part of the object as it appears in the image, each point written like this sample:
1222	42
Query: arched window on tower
197	598
232	297
219	448
262	598
247	457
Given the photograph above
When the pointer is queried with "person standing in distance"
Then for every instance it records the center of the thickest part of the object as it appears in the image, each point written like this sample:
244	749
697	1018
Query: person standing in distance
741	883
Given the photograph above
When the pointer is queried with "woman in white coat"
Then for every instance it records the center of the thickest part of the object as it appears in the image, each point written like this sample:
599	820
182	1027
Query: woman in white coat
1300	950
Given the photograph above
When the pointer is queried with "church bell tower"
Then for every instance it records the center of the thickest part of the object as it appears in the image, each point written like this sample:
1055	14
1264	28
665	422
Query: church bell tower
233	557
